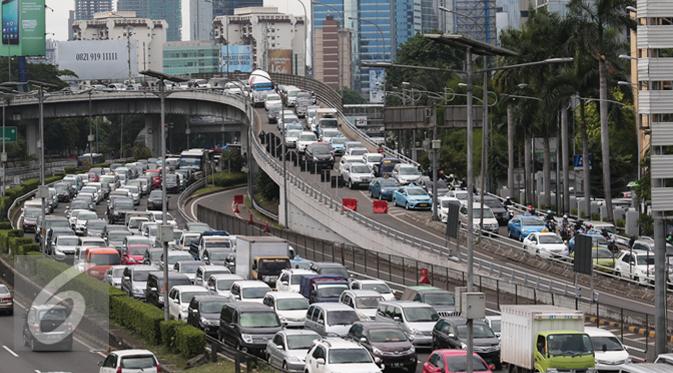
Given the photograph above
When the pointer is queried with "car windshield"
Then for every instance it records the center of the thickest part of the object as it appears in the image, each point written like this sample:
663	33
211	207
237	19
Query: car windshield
367	302
480	331
550	239
140	275
57	314
67	241
495	326
292	304
186	296
255	292
92	243
492	202
531	220
645	260
349	356
602	253
488	213
320	149
217	255
416	192
387	335
295	279
186	267
172	259
116	236
420	314
389	183
569	344
138	362
379	288
439	298
214	306
307	137
96	224
293	133
136	250
338	140
339	271
374	157
137	240
330	291
215	244
271	266
328	123
360	169
409	171
358	151
259	320
606	344
459	364
32	213
87	215
224	284
124	204
105	259
4	289
301	342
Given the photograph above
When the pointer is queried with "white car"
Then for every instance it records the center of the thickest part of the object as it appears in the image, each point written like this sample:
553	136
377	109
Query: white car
637	265
544	244
186	240
357	152
443	210
135	193
406	173
136	222
608	349
72	216
336	355
329	133
457	195
378	286
220	283
290	279
347	159
290	307
158	217
249	290
141	361
179	298
372	159
305	139
272	99
490	222
291	137
113	276
356	174
65	245
364	302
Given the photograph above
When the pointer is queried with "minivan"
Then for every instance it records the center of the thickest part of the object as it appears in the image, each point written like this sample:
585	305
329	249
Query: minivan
154	290
441	300
330	319
247	326
416	319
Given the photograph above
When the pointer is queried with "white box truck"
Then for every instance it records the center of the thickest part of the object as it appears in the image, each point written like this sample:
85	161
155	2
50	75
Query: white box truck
261	257
545	339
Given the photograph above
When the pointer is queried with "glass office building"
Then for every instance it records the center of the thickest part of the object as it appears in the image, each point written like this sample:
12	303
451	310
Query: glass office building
168	10
191	58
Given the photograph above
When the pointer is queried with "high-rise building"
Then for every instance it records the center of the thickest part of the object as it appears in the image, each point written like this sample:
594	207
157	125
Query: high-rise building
85	9
277	40
477	20
226	7
332	59
430	16
168	10
191	58
559	7
509	14
200	19
147	35
71	20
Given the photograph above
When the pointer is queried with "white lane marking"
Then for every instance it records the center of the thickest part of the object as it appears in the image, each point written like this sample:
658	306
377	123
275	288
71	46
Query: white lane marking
10	351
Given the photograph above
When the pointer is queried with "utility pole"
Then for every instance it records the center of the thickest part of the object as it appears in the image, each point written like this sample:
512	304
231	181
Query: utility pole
128	48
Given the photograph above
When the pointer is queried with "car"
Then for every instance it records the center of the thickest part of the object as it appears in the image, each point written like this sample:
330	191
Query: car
252	291
378	286
95	227
330	268
490	222
406	173
356	175
347	159
521	226
637	265
179	297
605	260
155	200
47	328
248	326
152	256
81	220
6	300
186	239
188	267
174	256
272	99
451	333
291	137
544	244
336	355
416	319
383	188
328	133
118	208
373	160
387	342
609	351
499	210
290	307
494	322
289	280
459	195
318	156
288	348
204	272
130	361
338	145
154	289
441	300
330	318
364	302
204	311
454	361
306	138
220	283
412	198
65	245
134	280
356	152
99	259
133	254
114	274
273	111
28	219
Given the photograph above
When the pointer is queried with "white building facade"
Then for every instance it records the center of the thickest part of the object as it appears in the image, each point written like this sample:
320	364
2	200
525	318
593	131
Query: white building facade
148	35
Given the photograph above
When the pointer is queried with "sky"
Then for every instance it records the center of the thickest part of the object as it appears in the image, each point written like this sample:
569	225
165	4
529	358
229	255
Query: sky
57	20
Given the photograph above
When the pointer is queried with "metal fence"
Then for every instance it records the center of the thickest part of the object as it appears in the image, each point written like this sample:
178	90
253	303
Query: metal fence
404	271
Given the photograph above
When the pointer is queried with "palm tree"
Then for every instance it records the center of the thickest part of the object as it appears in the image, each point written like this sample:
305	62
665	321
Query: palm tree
597	24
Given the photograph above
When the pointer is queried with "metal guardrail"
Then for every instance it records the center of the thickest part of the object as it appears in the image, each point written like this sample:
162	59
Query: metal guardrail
186	194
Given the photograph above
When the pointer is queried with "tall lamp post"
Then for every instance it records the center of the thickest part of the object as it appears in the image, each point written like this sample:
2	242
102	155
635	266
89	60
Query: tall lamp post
165	232
7	95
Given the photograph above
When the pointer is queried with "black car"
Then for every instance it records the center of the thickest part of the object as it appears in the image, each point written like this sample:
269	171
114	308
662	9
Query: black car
204	312
64	192
387	342
154	291
452	333
118	208
155	200
248	326
319	155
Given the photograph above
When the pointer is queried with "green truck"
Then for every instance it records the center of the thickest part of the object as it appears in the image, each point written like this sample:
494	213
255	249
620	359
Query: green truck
545	339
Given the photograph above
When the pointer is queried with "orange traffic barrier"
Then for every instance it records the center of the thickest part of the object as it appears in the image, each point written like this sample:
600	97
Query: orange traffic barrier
350	203
380	207
238	199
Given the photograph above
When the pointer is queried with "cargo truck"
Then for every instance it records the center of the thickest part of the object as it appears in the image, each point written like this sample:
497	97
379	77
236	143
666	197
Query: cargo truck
261	258
545	339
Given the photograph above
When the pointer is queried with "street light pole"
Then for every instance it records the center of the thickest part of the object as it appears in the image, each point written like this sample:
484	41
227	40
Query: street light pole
40	99
470	206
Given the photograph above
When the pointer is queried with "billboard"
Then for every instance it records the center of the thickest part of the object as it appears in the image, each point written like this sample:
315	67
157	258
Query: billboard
280	61
97	59
236	58
23	28
377	81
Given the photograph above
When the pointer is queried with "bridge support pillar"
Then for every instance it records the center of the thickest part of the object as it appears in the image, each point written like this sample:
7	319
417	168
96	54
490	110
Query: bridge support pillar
153	134
32	137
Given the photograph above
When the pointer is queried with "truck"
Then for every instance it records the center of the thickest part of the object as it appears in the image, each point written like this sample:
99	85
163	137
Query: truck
262	258
545	339
260	84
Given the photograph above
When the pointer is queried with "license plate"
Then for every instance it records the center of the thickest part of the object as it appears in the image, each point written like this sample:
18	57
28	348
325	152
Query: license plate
423	205
395	365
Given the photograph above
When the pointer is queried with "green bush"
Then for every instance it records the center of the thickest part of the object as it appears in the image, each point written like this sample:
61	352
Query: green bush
168	331
227	179
27	248
620	223
190	341
15	233
5	225
140	317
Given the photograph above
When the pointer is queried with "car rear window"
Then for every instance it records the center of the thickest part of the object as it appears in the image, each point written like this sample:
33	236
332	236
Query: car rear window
138	362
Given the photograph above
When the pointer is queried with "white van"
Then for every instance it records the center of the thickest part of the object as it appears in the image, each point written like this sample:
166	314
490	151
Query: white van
330	319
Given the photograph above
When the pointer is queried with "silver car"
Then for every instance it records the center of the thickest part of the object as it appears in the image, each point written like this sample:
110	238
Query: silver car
288	348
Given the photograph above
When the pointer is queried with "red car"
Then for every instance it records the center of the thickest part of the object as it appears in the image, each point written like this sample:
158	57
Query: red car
453	361
156	178
134	254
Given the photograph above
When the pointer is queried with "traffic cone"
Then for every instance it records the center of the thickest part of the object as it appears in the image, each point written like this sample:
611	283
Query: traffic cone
250	221
236	210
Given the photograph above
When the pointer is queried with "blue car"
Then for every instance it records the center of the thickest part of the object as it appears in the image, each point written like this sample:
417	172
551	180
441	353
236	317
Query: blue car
521	226
412	197
597	240
383	188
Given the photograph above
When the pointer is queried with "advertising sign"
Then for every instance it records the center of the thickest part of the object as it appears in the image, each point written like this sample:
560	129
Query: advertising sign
23	28
377	81
9	134
280	61
97	59
235	58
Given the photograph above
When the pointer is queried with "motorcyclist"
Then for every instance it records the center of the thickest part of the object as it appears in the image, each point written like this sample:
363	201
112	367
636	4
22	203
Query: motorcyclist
611	241
579	226
550	221
565	228
530	210
508	202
